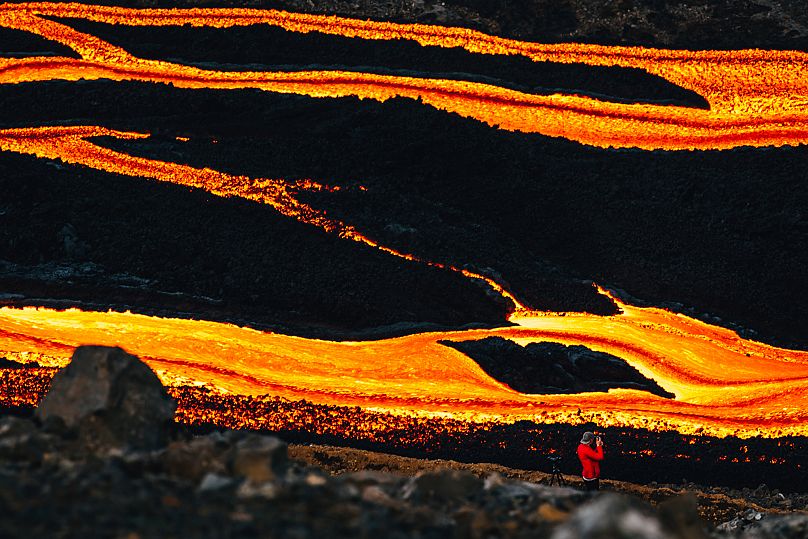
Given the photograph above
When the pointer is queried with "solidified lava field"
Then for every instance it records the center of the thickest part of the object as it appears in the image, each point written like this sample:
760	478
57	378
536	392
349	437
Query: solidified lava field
318	210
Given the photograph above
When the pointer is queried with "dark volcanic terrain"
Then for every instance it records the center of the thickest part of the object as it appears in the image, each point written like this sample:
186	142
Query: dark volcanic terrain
98	457
637	455
719	235
723	233
688	24
551	368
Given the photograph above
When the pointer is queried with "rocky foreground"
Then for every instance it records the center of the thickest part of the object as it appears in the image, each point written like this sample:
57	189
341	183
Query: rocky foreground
102	458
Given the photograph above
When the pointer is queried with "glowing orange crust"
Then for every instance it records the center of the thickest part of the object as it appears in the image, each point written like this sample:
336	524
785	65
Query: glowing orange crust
723	384
719	389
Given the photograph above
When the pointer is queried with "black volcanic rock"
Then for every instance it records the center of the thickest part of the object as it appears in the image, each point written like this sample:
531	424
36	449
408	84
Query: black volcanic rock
111	398
6	363
20	44
554	368
131	494
696	24
702	229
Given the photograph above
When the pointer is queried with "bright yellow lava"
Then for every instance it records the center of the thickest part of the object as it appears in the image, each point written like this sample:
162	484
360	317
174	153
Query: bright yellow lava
723	384
756	97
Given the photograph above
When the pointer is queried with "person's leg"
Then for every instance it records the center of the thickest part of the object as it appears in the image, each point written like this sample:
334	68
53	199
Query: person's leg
590	485
595	484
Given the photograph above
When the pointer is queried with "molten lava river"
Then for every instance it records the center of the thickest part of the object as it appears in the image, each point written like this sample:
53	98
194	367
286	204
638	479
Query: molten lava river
723	384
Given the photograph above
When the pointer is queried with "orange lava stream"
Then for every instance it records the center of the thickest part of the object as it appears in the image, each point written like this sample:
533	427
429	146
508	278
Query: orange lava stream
757	98
723	384
720	391
70	145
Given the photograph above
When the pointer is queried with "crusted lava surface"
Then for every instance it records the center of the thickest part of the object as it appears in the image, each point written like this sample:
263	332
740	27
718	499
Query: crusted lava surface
635	455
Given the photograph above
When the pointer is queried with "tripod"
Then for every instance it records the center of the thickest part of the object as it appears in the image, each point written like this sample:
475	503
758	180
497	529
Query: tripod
556	477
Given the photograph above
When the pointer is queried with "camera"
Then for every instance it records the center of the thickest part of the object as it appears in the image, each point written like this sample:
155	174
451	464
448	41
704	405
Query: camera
553	459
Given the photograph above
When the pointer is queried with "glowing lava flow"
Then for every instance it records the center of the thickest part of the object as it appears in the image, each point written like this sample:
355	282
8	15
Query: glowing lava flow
757	98
723	384
719	389
70	144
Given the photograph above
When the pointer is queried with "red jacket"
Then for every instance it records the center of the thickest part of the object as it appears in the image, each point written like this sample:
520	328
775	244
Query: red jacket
590	460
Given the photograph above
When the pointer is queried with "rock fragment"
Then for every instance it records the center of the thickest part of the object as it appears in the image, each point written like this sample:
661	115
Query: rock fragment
195	459
443	485
615	517
259	458
114	400
680	515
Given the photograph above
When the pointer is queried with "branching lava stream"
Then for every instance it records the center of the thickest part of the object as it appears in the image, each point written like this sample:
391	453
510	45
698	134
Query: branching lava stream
724	385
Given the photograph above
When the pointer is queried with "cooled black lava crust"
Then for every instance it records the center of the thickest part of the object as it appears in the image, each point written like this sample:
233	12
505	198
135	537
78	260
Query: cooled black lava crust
719	232
264	48
552	368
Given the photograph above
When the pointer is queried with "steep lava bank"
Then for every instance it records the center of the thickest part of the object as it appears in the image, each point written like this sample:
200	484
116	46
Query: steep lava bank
636	455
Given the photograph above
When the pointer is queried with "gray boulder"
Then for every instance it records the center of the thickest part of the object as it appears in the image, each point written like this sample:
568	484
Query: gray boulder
779	527
443	486
612	516
111	398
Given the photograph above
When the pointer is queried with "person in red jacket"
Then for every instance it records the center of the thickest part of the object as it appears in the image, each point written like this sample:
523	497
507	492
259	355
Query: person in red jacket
590	453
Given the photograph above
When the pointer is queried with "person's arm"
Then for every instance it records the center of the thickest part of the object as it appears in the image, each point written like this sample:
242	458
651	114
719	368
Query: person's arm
594	454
